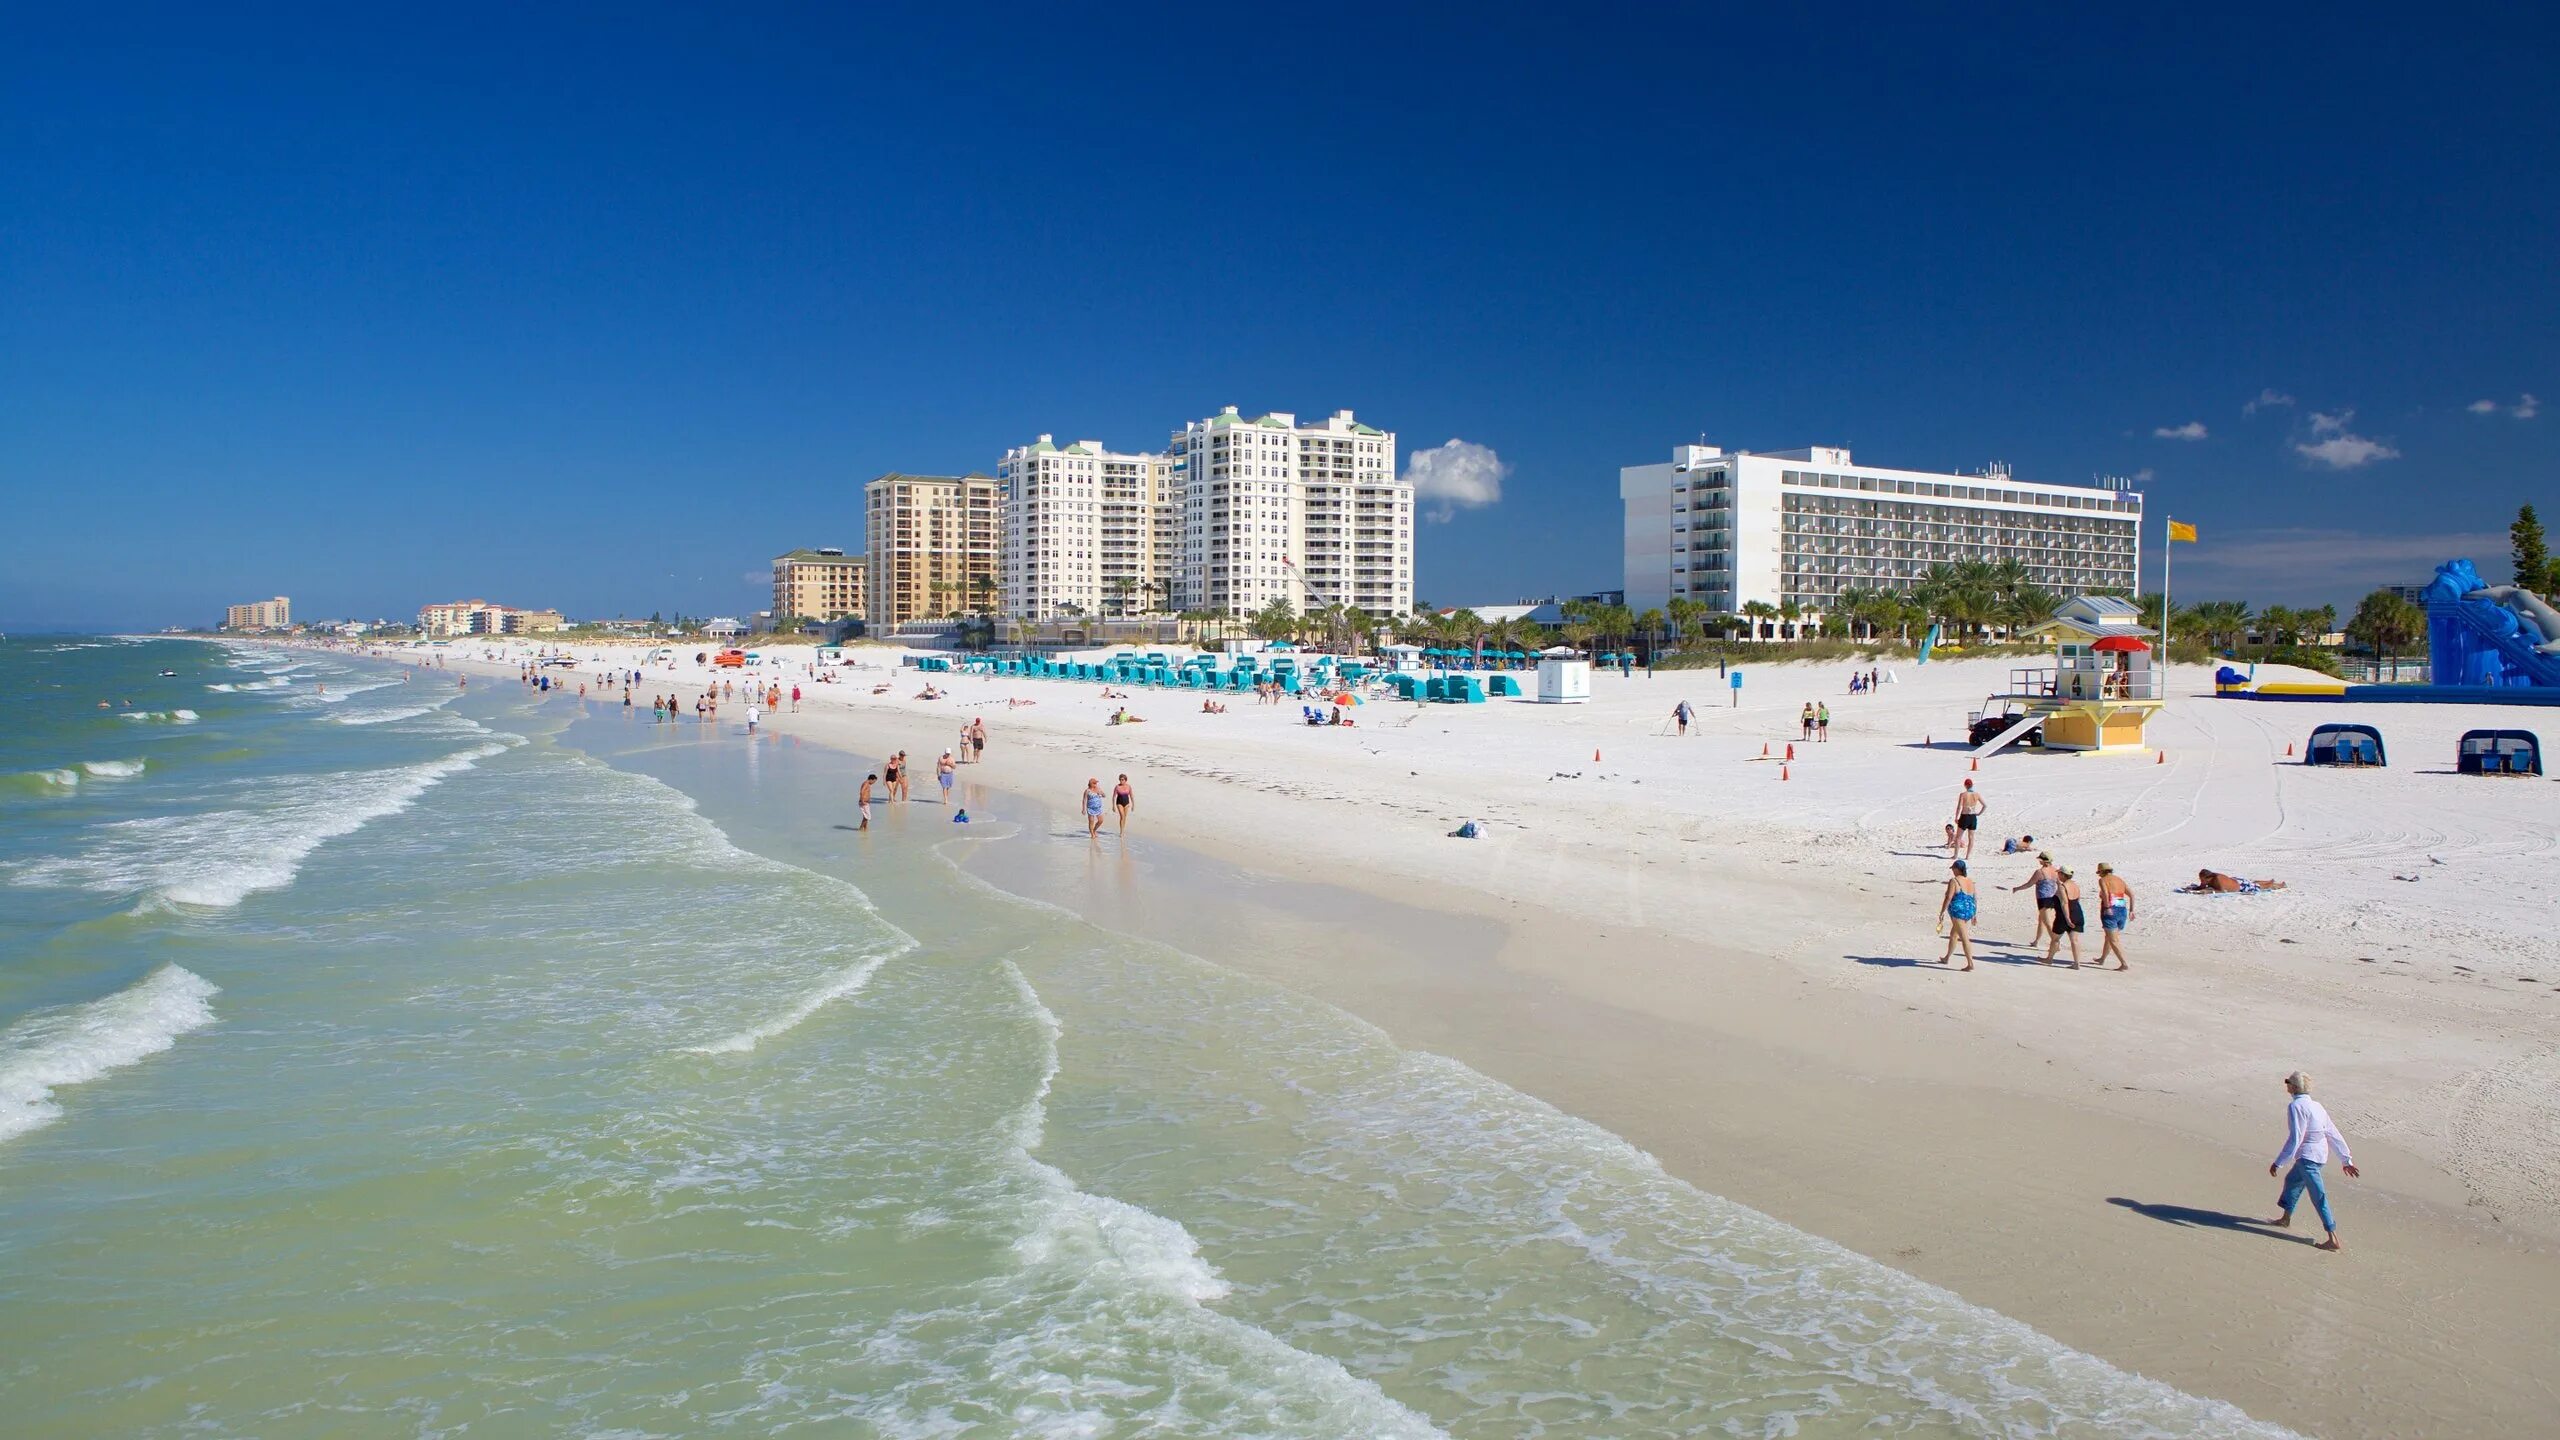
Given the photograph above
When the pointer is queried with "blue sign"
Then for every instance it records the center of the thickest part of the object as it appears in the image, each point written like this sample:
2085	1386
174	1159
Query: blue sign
1735	679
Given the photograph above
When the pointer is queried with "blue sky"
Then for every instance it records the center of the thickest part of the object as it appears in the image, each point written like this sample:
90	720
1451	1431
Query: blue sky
603	307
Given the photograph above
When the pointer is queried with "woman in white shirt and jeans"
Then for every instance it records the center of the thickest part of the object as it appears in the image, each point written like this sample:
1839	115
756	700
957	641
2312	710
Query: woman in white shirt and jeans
2309	1137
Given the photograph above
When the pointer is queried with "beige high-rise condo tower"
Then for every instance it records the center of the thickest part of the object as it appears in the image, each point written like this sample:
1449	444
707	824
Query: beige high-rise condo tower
933	542
276	614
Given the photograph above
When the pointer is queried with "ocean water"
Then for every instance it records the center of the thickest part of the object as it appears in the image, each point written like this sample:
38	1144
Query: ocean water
399	1059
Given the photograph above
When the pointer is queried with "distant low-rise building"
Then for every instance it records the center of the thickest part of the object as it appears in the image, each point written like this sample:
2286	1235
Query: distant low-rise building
820	584
276	614
480	617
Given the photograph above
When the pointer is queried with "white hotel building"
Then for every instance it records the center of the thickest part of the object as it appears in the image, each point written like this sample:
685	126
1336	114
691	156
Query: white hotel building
1086	527
1312	514
1725	528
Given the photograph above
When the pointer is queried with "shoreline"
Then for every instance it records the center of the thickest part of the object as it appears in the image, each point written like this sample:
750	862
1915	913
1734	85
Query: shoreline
1911	1126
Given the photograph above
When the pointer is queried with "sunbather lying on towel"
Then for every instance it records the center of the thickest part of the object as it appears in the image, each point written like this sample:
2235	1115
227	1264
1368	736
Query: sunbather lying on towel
2214	882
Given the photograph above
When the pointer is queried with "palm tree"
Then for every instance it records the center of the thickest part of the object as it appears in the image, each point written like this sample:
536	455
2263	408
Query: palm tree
1120	589
1758	612
986	587
2223	623
1790	612
1275	621
1683	616
2026	607
1650	626
2386	623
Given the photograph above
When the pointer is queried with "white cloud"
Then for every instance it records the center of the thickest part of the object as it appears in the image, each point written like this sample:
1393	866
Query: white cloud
2142	476
2268	399
2525	408
2192	430
2346	452
2331	424
1460	475
2483	407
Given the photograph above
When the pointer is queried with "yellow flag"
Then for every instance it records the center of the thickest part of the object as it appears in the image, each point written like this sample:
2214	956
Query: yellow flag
2181	530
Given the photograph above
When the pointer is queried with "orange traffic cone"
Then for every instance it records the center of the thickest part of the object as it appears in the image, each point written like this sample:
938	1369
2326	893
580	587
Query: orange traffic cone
1977	764
1782	770
1764	750
1791	752
2159	757
2288	747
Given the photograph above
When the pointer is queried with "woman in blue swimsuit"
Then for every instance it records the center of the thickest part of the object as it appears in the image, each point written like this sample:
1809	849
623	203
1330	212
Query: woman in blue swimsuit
1958	906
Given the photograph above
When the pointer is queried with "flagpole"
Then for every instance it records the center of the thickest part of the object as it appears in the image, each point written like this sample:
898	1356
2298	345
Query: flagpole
2168	550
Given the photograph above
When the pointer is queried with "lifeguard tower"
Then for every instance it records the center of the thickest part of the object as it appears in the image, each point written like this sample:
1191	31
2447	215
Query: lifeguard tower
2101	689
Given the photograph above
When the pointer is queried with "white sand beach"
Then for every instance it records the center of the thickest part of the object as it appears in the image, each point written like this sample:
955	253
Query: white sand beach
1729	961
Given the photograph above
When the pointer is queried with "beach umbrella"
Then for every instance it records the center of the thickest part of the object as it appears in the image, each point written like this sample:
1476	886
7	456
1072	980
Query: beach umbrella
1346	698
2120	645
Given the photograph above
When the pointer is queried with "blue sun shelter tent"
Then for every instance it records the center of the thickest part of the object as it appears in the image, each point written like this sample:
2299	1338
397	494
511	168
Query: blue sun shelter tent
2344	745
2499	752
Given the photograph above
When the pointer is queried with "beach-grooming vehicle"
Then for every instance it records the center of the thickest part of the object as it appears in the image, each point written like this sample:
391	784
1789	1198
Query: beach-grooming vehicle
729	660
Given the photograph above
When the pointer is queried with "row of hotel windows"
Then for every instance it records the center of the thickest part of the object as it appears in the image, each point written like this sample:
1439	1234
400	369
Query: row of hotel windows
2129	502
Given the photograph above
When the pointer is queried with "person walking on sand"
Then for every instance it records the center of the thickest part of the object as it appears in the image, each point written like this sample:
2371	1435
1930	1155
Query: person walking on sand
1680	714
1093	807
2310	1137
1804	722
2115	911
795	699
2047	881
943	773
2069	920
862	802
755	712
1957	905
1123	800
1969	808
1822	722
978	741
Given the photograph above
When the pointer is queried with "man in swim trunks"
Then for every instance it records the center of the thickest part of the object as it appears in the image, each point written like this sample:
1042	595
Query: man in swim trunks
1969	808
862	802
2115	911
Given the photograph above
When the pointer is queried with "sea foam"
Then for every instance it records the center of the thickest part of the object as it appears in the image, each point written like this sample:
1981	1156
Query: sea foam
844	984
218	858
112	769
45	1052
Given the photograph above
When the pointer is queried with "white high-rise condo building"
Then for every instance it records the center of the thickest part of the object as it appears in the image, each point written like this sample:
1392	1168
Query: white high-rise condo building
1311	514
1725	528
1087	528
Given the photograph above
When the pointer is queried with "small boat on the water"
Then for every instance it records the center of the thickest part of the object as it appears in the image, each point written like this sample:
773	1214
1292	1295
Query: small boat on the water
168	674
